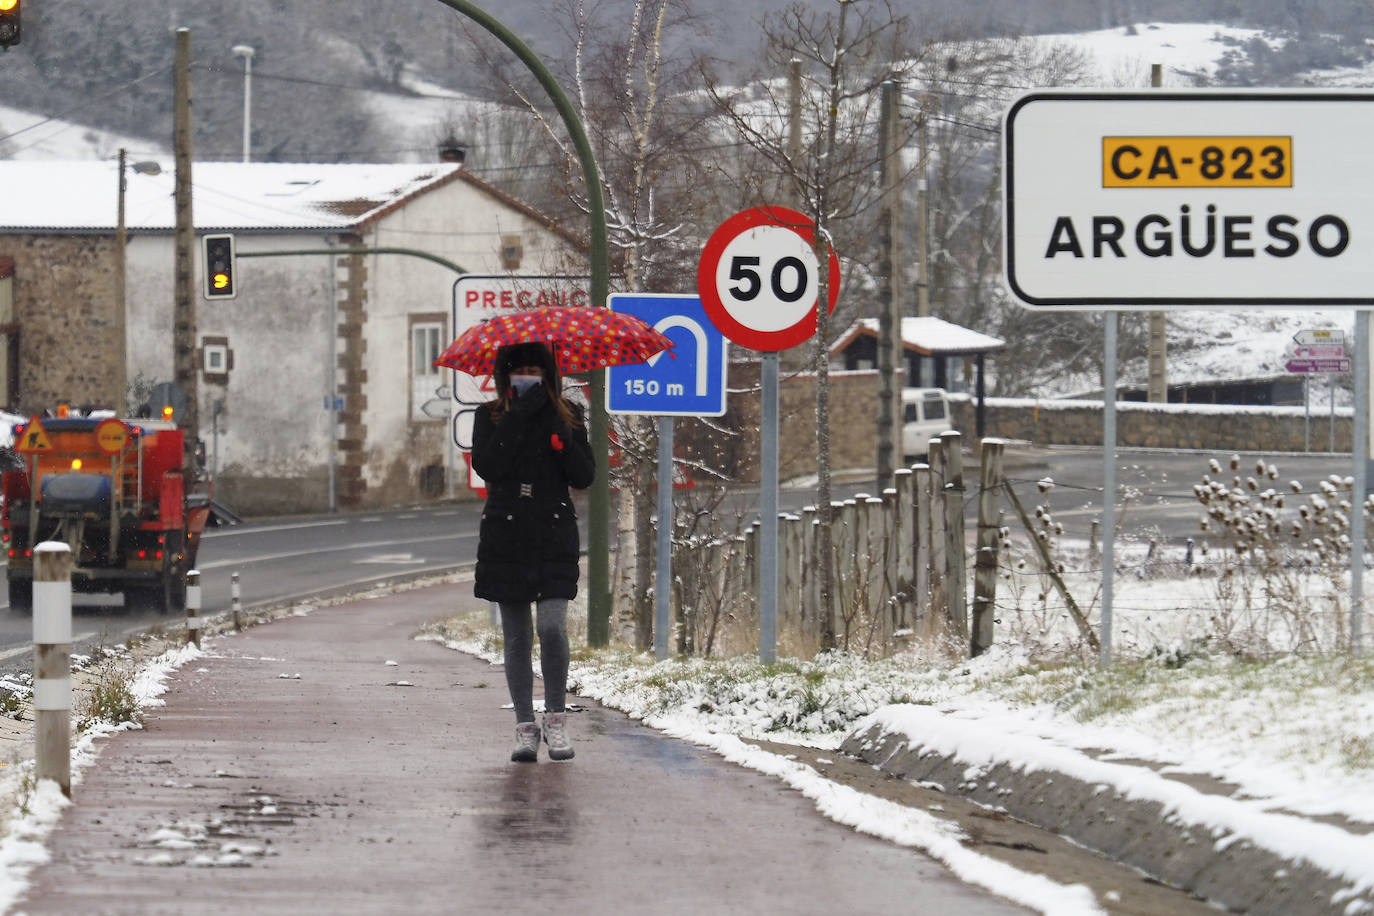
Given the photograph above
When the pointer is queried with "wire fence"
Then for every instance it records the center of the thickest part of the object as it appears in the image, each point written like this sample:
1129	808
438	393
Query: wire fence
1267	572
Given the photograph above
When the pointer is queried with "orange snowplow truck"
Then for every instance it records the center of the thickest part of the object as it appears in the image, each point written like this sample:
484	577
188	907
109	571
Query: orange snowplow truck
115	492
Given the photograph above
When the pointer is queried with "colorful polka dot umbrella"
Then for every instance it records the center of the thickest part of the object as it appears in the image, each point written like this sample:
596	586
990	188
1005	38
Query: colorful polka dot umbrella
583	339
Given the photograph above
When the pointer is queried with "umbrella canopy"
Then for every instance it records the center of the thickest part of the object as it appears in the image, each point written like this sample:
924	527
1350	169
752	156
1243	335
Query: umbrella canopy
582	339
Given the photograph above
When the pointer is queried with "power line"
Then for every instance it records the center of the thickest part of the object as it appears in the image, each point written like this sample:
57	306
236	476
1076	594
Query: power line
86	103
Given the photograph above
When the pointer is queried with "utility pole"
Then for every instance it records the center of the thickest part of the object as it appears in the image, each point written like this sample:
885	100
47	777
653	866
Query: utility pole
794	125
923	212
246	52
890	319
184	304
794	193
120	334
1158	380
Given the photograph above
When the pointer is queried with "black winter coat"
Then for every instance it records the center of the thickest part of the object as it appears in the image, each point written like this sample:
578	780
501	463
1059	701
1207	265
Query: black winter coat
528	546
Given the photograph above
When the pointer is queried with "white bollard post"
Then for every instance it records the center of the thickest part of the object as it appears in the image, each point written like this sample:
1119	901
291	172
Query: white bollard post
193	607
234	601
52	668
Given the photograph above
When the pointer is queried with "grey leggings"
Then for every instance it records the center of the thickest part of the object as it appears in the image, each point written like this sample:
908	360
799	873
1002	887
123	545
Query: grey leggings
552	626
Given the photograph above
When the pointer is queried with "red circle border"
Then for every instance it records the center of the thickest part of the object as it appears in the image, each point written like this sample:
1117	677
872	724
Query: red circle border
727	232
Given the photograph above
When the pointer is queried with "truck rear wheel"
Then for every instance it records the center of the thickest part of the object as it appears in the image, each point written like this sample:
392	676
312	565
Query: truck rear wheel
21	596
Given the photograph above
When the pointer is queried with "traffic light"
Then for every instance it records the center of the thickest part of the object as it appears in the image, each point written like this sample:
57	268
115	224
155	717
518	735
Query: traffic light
218	251
9	22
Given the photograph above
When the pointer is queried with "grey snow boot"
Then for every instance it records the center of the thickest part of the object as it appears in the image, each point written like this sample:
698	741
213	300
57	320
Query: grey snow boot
556	736
526	743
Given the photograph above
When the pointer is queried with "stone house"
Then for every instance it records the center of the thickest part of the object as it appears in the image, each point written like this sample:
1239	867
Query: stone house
316	386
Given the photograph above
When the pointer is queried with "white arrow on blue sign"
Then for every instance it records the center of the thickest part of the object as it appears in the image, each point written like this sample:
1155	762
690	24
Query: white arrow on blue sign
689	380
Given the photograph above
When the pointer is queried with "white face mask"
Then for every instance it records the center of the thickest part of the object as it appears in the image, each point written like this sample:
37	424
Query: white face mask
520	383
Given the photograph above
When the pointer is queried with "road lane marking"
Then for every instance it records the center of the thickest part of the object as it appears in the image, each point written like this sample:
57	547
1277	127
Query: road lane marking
398	559
217	564
227	532
28	649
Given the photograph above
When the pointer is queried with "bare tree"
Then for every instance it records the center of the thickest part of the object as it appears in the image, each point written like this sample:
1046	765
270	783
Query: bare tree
848	49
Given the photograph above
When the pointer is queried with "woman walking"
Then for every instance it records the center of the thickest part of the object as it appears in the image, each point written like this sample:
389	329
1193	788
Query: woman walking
530	445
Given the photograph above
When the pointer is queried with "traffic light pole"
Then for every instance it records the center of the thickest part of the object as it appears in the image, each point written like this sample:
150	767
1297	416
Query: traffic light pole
598	505
412	252
184	367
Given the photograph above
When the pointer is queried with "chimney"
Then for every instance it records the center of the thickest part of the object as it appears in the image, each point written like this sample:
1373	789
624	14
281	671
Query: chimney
452	150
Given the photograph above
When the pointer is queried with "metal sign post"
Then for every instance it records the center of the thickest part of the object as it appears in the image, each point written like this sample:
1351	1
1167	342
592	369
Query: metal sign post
1109	321
1359	451
759	280
663	571
689	381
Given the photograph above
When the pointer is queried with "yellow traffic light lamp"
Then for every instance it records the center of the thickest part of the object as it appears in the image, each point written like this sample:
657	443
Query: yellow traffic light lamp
9	22
218	256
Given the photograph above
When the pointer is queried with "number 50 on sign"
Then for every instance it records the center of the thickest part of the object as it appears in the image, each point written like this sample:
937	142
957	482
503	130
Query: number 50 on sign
759	279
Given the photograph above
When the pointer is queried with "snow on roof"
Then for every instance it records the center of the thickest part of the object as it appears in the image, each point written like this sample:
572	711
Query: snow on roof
929	336
246	196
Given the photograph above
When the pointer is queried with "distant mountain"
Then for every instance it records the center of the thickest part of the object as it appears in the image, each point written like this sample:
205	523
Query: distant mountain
319	65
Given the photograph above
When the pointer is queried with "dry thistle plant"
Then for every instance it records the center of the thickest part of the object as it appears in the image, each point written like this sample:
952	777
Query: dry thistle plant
1280	560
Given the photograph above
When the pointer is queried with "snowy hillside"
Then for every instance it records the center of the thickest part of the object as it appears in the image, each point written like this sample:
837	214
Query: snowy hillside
25	135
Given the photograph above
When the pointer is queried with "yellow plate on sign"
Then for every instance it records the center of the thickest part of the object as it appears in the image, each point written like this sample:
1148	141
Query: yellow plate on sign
110	435
1197	162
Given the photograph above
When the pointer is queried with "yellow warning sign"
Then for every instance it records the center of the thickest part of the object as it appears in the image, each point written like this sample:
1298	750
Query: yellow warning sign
34	438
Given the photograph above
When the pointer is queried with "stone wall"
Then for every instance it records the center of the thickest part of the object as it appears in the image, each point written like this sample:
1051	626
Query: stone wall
64	304
731	443
1197	426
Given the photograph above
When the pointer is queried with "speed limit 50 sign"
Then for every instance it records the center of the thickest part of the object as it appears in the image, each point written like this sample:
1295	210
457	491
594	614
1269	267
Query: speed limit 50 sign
1182	199
759	279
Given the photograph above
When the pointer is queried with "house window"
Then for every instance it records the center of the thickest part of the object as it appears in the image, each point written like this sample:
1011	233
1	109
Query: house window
511	252
426	343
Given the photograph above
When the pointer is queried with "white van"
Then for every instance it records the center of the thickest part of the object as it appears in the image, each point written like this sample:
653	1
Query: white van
925	414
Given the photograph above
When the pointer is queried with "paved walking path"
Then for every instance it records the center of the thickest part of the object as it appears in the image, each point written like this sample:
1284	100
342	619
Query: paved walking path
294	770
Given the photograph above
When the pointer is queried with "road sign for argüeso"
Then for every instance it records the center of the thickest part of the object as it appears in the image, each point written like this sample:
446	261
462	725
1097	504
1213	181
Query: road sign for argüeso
1184	199
689	380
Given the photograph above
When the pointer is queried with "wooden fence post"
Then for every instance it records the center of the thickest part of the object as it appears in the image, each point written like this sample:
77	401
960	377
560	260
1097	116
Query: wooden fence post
789	578
921	559
939	597
884	545
903	559
844	578
52	668
989	538
956	565
811	580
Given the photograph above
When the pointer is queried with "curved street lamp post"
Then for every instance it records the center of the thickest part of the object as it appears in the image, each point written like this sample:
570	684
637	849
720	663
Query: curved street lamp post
598	524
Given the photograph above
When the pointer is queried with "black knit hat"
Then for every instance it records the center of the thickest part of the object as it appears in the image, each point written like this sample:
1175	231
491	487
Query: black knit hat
524	354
